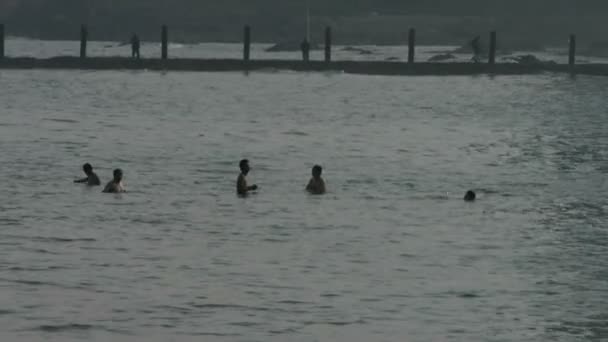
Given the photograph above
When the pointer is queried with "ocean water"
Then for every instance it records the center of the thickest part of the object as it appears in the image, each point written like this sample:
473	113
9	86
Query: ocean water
391	253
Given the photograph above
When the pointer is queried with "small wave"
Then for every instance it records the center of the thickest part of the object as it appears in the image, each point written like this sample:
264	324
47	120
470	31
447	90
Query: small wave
64	327
48	238
36	269
244	324
296	133
293	302
60	120
31	282
336	323
228	306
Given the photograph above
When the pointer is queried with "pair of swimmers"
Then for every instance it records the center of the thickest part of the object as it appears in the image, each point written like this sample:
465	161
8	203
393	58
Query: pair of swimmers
91	179
316	185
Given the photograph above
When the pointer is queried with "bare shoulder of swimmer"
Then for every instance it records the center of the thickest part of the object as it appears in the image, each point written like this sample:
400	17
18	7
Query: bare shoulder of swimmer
316	186
93	180
110	187
241	184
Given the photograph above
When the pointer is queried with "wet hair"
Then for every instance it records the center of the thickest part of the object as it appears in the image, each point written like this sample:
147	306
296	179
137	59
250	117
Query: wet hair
317	169
469	196
243	163
87	167
117	172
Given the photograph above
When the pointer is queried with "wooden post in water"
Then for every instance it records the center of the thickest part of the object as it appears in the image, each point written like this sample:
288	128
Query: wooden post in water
572	52
328	44
411	43
84	35
247	43
1	40
492	52
164	38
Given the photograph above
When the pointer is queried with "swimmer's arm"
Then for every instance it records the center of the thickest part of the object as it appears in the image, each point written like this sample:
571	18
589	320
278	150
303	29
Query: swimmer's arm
84	180
252	188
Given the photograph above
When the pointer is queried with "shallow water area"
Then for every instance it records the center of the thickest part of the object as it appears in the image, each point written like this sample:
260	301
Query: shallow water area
391	253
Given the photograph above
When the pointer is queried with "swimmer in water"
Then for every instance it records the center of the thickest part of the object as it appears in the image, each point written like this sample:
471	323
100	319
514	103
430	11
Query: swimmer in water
470	196
115	185
91	179
316	186
242	189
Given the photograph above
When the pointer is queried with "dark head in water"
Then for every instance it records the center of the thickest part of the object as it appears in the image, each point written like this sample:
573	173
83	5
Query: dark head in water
244	166
117	175
87	168
317	171
470	196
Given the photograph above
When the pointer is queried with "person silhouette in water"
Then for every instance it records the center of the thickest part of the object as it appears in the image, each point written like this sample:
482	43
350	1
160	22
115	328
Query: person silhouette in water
470	196
316	186
242	189
91	179
115	185
135	46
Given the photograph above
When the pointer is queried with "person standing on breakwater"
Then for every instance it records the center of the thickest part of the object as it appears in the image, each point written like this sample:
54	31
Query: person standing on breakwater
316	186
91	179
135	46
305	47
242	189
476	49
115	185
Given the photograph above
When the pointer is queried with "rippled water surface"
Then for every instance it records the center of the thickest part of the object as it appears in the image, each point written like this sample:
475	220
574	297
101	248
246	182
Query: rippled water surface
391	253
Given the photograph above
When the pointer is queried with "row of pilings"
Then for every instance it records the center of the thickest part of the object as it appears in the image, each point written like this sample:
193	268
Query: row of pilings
164	38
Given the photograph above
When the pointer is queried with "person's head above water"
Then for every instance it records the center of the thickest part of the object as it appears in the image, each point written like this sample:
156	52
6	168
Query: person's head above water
117	175
317	170
87	168
244	166
469	196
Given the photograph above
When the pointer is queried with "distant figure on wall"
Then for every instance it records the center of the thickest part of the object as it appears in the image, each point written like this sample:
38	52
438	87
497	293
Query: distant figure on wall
305	46
135	46
475	46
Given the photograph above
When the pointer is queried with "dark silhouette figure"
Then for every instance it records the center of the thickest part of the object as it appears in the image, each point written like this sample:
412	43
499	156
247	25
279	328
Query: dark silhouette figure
91	179
242	189
115	185
305	46
316	186
470	196
135	43
475	45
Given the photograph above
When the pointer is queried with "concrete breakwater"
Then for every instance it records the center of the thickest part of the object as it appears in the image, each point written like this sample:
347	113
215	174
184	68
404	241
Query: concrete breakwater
354	67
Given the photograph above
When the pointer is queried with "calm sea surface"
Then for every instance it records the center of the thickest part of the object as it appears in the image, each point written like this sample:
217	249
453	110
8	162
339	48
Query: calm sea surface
391	253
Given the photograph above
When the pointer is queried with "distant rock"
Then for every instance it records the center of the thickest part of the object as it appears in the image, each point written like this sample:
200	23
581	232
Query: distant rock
290	46
527	60
361	51
442	57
